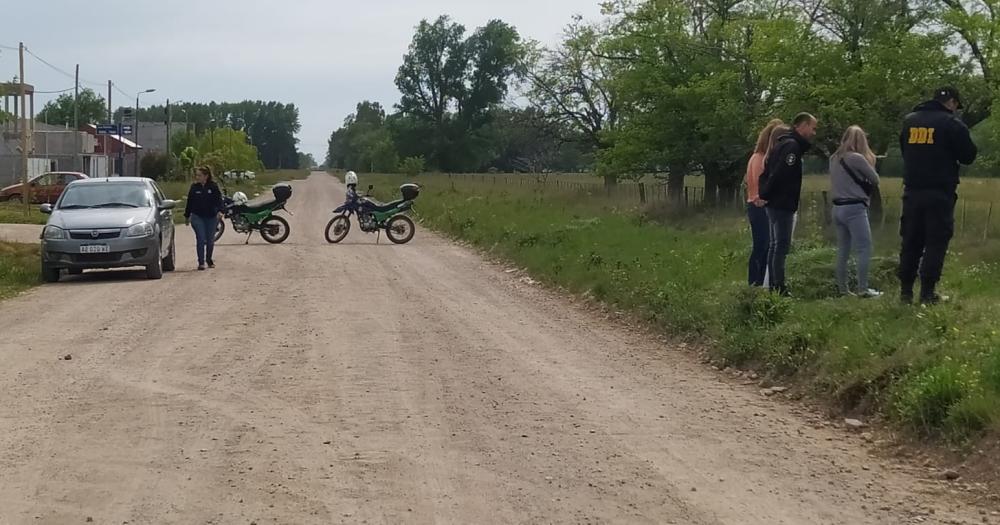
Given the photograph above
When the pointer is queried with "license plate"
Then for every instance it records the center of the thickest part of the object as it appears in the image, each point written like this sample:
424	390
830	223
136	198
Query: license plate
94	248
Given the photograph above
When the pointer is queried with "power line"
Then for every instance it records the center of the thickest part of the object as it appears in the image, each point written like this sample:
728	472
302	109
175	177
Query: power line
56	91
60	70
8	48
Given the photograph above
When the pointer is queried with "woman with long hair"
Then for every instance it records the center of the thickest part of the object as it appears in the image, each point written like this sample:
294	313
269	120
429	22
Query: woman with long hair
852	180
756	215
202	212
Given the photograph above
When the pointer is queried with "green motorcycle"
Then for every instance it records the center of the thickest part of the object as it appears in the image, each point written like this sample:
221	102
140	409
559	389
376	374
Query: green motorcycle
374	216
249	216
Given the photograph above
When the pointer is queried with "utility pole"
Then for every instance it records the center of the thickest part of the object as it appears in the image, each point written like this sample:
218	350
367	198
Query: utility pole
24	133
77	155
107	153
169	121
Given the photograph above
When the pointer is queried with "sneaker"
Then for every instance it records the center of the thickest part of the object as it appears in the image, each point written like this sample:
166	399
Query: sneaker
211	264
870	293
201	267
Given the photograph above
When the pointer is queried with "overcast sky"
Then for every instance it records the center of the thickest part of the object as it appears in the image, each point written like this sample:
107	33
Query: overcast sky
322	55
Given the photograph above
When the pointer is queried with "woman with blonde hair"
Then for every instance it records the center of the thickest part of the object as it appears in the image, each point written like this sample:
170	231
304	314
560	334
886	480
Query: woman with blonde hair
756	215
853	179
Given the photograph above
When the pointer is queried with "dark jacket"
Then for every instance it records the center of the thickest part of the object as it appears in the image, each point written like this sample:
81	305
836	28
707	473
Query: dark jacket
781	183
934	142
204	200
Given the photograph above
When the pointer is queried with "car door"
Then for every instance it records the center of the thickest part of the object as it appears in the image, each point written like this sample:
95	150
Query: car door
59	183
41	188
165	218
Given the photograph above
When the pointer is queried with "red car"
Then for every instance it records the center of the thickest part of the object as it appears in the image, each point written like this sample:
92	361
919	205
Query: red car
45	188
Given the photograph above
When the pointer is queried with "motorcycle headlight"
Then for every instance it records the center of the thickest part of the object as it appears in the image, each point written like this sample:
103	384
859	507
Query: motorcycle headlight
53	233
143	229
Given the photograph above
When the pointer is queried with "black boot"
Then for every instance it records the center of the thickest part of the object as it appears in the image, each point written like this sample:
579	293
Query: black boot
928	294
906	293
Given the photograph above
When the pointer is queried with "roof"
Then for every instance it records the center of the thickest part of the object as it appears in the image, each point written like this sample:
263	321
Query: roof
92	129
111	179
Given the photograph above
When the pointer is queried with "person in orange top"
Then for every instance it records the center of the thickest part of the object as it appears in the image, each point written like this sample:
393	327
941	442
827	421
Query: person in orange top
756	214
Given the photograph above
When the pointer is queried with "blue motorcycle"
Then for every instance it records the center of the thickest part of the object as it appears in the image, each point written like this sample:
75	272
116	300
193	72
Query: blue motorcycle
374	217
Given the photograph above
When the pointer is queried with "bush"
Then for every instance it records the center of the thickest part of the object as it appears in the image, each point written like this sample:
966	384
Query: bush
412	166
927	400
156	165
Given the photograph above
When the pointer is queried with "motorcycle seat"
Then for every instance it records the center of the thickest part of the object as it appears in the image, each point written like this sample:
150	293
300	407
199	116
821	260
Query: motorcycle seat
259	204
380	207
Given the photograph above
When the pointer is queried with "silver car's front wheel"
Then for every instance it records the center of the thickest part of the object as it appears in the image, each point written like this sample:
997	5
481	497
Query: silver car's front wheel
155	270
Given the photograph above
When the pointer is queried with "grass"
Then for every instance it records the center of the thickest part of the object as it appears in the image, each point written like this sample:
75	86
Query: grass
11	213
19	268
932	372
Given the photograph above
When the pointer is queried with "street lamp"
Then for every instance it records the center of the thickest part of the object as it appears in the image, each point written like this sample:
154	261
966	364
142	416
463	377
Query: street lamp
135	130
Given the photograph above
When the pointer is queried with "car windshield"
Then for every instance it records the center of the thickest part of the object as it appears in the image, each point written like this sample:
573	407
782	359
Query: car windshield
106	195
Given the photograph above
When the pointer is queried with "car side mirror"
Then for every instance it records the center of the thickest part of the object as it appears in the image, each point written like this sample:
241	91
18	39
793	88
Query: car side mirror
45	208
168	205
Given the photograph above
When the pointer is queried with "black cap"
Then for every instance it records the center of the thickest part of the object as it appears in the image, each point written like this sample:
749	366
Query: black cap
947	93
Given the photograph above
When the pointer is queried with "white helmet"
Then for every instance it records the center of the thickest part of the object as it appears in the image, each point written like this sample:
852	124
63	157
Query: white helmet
240	198
351	178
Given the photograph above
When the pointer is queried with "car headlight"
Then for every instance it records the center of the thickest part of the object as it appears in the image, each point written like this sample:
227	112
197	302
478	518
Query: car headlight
143	229
53	233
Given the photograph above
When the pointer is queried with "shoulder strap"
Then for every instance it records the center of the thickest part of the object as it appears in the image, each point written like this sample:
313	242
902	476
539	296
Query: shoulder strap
863	183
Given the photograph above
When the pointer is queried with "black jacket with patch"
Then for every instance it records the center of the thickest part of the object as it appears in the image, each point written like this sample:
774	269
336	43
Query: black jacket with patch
934	143
204	200
781	182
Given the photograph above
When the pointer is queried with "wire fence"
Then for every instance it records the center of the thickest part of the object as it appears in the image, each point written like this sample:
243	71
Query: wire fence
974	218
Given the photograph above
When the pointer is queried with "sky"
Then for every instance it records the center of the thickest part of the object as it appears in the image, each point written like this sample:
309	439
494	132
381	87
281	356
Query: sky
324	56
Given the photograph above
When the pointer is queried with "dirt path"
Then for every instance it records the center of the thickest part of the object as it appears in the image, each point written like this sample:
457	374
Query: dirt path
309	383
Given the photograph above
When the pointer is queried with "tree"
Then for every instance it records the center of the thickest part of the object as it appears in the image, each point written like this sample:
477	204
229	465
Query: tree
573	85
228	149
270	126
93	109
450	84
363	143
156	165
306	161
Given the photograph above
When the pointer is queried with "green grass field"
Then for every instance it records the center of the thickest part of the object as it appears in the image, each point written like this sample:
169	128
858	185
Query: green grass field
932	372
11	213
19	268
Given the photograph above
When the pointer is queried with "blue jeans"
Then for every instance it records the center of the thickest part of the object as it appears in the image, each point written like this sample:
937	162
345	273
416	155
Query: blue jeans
853	231
204	232
760	232
780	222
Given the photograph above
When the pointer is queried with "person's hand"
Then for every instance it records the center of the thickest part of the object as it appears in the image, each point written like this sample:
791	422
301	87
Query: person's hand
760	203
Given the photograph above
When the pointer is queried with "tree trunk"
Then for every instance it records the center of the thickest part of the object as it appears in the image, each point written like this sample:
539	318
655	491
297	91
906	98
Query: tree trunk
675	184
610	181
713	179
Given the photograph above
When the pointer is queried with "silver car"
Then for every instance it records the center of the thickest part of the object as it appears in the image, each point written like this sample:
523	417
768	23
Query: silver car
109	223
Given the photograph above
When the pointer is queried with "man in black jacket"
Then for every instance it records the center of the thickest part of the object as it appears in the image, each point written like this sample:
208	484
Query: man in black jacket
781	188
934	143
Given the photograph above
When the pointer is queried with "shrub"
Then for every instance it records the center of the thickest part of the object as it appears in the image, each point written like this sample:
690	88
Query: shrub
156	165
944	393
412	166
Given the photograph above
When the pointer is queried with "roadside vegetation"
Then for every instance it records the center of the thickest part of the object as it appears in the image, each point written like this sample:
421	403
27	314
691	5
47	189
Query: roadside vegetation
932	372
19	268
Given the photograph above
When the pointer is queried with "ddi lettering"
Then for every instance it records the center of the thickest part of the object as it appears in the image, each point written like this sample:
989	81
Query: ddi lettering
921	136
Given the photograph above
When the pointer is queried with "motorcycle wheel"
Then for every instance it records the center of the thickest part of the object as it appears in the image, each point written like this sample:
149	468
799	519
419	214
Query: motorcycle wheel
337	229
220	228
400	229
274	229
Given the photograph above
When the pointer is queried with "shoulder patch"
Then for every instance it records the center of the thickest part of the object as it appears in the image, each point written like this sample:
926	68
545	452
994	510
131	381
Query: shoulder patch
791	159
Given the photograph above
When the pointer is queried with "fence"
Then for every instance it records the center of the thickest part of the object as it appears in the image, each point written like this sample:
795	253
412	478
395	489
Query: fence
974	218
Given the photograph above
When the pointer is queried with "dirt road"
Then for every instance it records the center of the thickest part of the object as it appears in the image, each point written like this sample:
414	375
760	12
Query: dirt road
363	383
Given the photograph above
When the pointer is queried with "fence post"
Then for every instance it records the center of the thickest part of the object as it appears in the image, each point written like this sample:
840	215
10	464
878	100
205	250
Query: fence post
642	193
989	217
685	196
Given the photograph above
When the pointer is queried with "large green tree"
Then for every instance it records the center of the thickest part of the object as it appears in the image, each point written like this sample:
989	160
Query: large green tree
93	109
450	84
364	142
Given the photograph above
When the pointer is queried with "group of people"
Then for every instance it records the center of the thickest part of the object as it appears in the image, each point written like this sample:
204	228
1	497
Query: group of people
934	143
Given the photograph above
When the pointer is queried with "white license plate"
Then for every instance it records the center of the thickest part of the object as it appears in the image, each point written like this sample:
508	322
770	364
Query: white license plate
94	248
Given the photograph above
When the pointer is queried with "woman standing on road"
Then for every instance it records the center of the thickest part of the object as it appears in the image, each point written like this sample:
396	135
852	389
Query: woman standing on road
203	211
756	214
852	180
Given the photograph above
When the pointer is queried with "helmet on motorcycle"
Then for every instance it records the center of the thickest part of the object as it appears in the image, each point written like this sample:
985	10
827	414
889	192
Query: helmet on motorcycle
240	198
351	178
